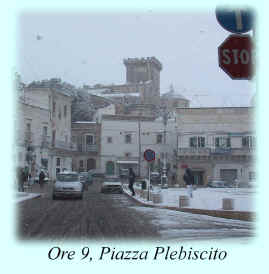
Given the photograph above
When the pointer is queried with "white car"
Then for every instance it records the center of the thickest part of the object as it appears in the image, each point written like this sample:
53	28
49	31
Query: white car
67	185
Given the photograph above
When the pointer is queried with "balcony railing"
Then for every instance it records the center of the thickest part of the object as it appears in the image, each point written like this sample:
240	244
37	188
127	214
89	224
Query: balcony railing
214	151
87	148
63	145
193	151
45	141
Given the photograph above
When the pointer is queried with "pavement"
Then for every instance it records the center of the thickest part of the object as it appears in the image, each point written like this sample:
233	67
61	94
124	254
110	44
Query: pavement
227	214
31	192
35	191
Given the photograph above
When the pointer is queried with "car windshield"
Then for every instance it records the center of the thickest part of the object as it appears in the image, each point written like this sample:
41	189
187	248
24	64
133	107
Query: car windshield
67	177
112	180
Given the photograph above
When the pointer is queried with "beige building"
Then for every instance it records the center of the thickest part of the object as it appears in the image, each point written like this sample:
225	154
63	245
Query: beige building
32	131
86	137
45	122
216	143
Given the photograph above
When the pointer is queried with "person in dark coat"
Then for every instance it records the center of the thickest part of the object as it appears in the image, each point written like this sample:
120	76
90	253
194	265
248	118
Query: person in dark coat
20	178
131	180
189	180
41	179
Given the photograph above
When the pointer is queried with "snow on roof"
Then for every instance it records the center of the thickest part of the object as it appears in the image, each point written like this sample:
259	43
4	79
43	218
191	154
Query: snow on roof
84	122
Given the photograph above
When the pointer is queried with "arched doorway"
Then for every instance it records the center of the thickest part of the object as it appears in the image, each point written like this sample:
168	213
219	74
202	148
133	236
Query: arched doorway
110	168
91	164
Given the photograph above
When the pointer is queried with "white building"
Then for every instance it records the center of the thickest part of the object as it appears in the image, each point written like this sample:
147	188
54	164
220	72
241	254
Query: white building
45	123
216	143
124	138
32	131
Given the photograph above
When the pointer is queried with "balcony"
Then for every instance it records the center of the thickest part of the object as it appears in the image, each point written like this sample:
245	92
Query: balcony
58	144
87	148
188	151
45	141
215	151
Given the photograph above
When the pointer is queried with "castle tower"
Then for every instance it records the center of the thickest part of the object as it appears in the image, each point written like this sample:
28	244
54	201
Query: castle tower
145	70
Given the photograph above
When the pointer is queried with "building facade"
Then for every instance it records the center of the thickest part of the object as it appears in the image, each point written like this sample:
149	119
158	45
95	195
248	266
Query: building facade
124	138
216	143
45	124
86	137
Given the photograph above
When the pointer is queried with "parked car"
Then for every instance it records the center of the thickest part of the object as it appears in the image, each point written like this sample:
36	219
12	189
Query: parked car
155	178
124	173
96	173
111	184
217	184
86	179
67	185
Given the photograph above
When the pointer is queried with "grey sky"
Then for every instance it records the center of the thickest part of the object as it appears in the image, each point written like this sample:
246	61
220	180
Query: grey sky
88	48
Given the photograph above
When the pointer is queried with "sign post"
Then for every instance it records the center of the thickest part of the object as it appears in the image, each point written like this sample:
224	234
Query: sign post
235	56
149	156
235	20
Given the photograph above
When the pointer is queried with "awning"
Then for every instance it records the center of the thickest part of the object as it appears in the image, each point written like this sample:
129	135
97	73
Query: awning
128	162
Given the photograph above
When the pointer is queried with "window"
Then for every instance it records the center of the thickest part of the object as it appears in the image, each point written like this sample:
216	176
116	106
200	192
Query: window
28	127
89	140
222	142
197	141
81	164
159	139
248	141
58	161
45	131
65	110
109	140
128	138
60	114
53	107
251	176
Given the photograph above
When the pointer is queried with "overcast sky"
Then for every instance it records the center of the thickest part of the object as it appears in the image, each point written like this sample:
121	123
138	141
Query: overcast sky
89	48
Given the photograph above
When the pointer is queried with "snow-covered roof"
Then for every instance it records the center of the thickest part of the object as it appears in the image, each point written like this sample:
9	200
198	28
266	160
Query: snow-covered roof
84	122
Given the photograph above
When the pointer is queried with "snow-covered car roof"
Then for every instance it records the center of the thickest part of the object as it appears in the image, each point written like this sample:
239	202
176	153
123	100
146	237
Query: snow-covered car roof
112	183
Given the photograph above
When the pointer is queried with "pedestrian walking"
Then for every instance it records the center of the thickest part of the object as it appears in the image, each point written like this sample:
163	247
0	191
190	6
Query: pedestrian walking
131	180
41	179
20	179
189	180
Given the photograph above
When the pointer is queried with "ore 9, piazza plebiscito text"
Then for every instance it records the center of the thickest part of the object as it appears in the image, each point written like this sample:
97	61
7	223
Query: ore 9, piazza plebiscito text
157	253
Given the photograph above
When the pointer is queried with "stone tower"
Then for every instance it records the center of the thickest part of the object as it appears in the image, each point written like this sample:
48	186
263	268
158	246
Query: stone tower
147	71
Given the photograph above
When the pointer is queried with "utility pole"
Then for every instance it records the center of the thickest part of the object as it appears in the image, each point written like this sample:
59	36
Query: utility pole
164	175
139	144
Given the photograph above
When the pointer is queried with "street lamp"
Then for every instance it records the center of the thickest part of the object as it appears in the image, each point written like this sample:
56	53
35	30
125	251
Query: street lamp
164	175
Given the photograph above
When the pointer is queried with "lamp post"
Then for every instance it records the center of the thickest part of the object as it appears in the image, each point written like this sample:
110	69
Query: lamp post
164	175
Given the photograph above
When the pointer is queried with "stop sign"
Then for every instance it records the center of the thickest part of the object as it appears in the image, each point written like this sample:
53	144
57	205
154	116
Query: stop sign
235	56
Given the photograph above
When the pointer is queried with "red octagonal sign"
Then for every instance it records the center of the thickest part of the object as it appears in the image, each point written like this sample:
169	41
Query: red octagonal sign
235	56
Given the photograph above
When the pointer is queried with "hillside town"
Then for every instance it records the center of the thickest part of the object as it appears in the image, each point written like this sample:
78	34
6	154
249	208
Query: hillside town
108	127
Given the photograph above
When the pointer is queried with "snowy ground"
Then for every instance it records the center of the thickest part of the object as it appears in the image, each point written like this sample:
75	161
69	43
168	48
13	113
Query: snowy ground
206	198
22	196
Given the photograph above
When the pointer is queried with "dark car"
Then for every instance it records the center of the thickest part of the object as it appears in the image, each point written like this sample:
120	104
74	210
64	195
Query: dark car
96	173
217	184
85	179
111	185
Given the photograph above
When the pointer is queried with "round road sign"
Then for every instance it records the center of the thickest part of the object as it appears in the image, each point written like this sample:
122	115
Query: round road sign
149	155
235	56
235	20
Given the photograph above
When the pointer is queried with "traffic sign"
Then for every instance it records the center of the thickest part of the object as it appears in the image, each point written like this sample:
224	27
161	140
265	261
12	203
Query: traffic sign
235	56
235	20
149	155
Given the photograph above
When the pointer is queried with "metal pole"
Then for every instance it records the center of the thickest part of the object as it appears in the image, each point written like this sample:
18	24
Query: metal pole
139	145
149	182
